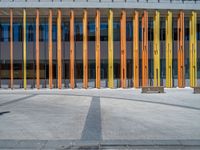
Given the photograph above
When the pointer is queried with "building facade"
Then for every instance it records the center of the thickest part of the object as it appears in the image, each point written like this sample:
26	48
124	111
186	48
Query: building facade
99	43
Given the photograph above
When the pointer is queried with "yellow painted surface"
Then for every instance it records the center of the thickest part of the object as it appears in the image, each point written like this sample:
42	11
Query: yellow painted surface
24	46
169	49
193	49
110	49
156	47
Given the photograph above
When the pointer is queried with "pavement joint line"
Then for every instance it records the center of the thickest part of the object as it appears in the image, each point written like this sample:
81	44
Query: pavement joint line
42	144
119	98
17	100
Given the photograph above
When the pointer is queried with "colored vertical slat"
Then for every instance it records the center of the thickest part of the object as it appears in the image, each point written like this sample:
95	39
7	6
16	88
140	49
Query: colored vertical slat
37	51
193	49
85	50
11	48
72	49
110	49
50	49
145	49
169	49
136	49
59	51
156	46
181	68
24	46
97	47
123	48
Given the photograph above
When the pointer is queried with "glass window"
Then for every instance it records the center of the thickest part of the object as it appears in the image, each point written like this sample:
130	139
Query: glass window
91	31
78	31
104	31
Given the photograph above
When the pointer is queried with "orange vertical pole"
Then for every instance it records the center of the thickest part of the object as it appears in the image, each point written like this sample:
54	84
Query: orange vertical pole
37	50
181	68
97	47
72	49
123	48
50	50
136	49
11	48
85	50
59	51
145	49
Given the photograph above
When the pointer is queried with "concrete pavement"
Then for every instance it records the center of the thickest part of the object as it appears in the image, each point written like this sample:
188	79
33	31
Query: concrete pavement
96	117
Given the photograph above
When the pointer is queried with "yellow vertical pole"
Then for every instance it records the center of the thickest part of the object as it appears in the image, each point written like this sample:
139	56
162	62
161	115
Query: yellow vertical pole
169	49
181	66
59	51
85	50
24	45
97	48
72	49
136	49
50	50
123	48
193	49
11	48
156	45
110	49
37	50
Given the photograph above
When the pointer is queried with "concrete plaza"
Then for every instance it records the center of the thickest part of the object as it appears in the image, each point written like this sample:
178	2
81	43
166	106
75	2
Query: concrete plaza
59	119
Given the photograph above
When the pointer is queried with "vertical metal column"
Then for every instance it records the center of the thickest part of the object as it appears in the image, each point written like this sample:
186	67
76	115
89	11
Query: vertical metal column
110	49
59	49
169	49
136	49
97	48
11	48
123	48
145	49
37	50
193	49
24	46
50	50
181	68
85	50
72	49
156	45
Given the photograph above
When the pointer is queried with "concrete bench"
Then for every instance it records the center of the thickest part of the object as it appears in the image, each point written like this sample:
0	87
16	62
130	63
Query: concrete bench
151	89
197	90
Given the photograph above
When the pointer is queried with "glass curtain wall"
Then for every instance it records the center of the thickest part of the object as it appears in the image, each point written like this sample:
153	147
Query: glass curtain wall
4	52
104	50
174	50
129	51
91	52
65	51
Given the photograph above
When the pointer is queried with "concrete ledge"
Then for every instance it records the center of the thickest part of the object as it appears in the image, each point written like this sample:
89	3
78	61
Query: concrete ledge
65	144
151	89
197	90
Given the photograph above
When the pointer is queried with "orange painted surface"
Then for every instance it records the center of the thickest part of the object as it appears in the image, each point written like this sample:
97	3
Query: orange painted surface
123	48
50	50
97	48
72	49
11	48
37	50
136	49
181	68
85	50
59	50
145	49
